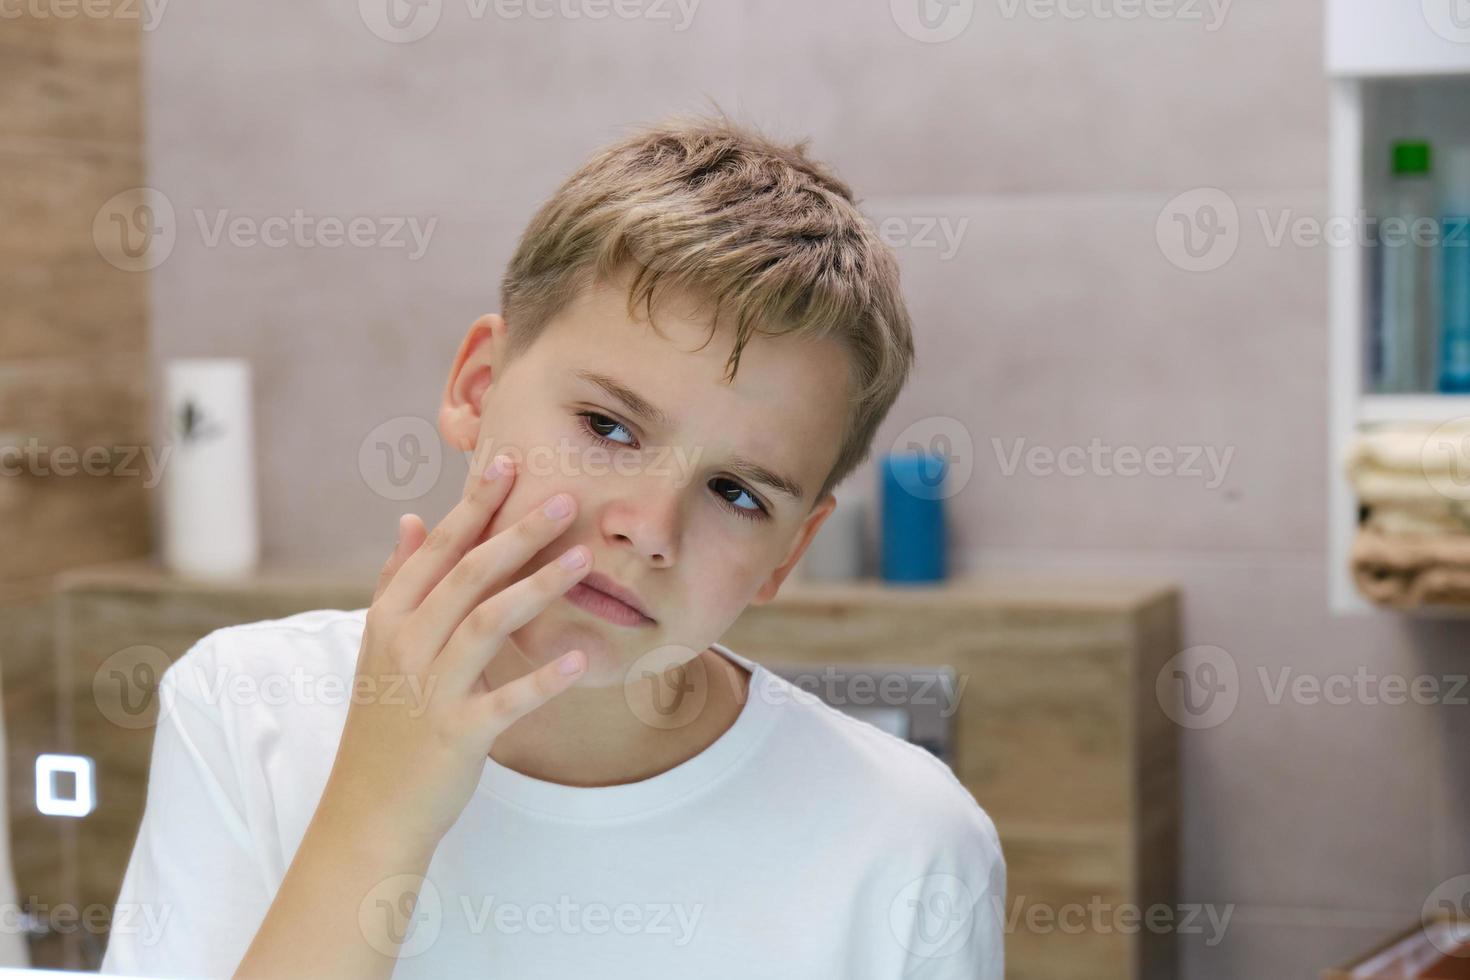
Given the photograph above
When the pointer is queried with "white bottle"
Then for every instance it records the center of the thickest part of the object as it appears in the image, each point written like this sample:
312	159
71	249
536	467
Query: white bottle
210	521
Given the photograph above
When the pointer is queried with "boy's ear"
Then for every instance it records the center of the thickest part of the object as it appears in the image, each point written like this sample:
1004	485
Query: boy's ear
809	527
481	357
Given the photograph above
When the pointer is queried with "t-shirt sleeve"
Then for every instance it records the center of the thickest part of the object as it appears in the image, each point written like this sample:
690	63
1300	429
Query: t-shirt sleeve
956	910
193	894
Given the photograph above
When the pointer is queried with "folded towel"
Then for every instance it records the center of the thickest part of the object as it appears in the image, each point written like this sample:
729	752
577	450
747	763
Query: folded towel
1408	462
1419	517
1406	446
1412	570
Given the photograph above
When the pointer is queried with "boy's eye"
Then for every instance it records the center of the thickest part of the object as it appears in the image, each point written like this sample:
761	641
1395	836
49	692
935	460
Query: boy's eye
731	492
601	427
596	423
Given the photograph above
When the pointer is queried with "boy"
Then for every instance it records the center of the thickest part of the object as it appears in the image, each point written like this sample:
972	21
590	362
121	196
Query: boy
549	767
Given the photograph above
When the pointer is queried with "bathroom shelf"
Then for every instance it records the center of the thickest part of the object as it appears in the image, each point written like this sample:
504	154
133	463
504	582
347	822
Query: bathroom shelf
1396	71
1412	408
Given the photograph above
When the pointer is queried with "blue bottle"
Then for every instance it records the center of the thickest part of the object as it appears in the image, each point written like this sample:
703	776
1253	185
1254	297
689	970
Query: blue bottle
1454	367
912	517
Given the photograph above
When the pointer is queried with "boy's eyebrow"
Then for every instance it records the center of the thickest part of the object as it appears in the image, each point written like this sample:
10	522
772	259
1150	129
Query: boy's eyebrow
642	407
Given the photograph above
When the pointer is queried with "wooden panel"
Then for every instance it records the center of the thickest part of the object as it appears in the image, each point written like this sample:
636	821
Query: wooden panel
69	514
27	651
61	297
1060	734
71	77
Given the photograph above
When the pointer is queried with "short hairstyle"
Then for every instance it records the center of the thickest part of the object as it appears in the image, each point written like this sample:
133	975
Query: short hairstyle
757	228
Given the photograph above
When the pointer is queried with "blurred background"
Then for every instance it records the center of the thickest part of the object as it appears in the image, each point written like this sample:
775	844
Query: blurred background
1144	377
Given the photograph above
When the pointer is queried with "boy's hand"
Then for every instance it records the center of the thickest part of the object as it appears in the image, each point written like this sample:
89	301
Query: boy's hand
414	746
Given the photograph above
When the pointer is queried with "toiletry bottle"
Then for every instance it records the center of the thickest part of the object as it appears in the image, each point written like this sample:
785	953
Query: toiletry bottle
1454	256
1406	247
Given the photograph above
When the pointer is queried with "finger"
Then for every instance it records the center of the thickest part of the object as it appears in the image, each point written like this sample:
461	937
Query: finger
449	540
410	535
482	572
497	710
485	629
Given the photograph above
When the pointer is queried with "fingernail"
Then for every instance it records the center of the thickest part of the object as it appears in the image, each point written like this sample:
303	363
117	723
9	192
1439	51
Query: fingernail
570	663
574	558
558	507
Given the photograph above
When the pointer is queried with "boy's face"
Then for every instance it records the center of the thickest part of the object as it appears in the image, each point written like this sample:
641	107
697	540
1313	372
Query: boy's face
670	508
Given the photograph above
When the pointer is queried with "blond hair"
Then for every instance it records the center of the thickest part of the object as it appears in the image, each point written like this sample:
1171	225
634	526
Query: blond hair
757	228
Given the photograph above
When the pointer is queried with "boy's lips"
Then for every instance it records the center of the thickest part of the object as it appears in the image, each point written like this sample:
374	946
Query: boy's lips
599	593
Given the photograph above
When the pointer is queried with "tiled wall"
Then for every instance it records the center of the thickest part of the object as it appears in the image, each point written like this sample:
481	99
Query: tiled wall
1048	141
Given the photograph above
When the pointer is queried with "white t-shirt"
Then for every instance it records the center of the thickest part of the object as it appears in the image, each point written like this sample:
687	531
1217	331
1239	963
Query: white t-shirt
801	843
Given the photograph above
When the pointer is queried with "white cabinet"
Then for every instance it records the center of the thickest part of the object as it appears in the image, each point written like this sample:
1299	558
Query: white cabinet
1397	37
1400	71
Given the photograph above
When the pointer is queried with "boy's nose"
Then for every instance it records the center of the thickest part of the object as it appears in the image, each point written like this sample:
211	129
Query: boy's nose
646	519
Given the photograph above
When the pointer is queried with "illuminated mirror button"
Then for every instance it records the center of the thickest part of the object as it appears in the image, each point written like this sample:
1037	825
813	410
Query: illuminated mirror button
52	771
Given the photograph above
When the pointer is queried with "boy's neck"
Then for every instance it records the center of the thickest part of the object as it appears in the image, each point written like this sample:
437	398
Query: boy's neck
591	736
